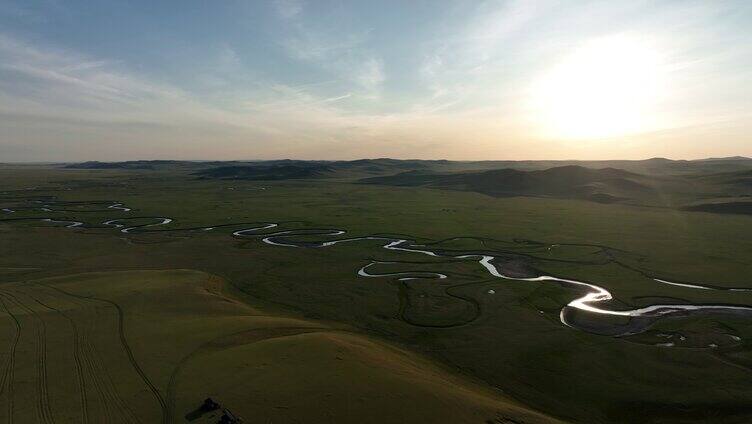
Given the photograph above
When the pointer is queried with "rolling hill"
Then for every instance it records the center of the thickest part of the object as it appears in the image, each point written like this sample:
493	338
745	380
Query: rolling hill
387	166
661	182
265	368
271	172
736	208
601	185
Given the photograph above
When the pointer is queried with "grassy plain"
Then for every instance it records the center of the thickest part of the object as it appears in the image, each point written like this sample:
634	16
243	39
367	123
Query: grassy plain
149	346
512	341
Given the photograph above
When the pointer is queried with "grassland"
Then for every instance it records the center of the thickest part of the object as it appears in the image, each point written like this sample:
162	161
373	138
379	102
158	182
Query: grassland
149	346
509	345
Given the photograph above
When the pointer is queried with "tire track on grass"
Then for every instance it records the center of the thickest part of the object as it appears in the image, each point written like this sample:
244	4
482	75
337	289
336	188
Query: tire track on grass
126	347
6	385
97	369
43	405
76	358
92	362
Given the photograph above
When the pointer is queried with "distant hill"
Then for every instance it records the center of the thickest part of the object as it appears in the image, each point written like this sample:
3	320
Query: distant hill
601	185
385	166
691	185
147	164
737	208
743	179
737	183
115	165
729	158
261	172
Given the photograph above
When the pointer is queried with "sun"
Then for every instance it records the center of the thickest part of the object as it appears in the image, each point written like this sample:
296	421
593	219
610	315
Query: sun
607	87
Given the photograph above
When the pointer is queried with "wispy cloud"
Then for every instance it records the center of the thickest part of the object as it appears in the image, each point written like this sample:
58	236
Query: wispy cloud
471	58
288	9
370	74
337	98
62	73
347	81
344	56
83	100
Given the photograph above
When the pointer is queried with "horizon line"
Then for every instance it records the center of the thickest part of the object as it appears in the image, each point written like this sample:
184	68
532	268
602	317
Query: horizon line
735	157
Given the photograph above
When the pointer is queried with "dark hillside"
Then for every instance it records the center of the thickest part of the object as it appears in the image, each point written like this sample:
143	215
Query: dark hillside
274	172
737	208
602	185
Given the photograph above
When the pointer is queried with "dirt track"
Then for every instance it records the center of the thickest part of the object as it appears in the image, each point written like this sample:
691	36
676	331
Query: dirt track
70	340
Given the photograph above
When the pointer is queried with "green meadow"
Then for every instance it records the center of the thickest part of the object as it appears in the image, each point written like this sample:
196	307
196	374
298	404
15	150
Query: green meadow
276	332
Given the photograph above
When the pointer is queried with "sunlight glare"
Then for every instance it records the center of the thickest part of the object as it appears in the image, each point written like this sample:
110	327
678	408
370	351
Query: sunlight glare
608	87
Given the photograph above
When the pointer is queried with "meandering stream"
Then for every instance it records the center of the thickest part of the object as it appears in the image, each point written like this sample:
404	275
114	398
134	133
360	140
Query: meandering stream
580	313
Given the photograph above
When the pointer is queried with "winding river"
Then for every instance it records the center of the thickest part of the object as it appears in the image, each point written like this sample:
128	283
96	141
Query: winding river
582	312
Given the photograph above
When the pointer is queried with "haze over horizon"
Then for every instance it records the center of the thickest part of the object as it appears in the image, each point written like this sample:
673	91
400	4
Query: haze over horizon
458	80
251	159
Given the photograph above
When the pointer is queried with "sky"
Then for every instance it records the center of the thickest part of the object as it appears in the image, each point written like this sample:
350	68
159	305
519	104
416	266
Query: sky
459	79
